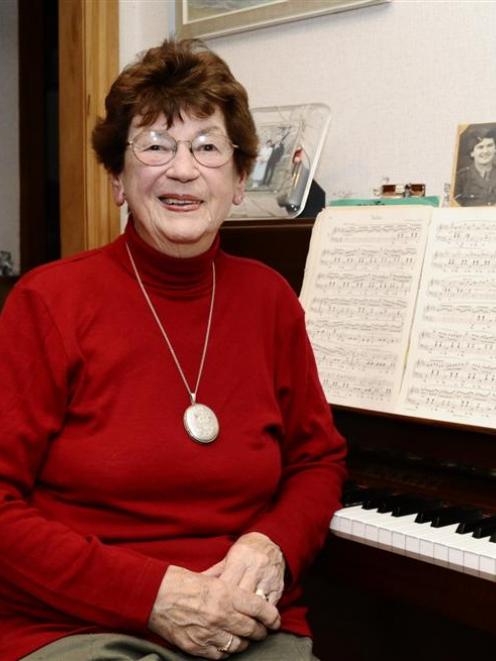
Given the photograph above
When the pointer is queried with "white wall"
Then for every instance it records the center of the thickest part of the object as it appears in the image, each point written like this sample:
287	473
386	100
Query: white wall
142	24
399	78
9	130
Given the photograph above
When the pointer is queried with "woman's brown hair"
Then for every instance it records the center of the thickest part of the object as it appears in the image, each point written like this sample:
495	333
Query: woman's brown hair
173	77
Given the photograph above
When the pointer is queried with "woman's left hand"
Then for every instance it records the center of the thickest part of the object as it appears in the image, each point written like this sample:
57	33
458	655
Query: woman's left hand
253	563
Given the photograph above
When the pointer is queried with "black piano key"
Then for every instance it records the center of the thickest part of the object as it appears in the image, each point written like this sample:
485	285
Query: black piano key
354	496
365	496
447	516
376	498
472	525
401	504
485	528
428	513
493	538
412	505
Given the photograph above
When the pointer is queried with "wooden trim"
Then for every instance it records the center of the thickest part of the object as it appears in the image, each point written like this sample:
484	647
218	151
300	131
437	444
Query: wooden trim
88	63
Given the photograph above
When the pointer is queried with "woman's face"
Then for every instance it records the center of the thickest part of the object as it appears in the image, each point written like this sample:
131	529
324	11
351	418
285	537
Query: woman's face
178	207
484	152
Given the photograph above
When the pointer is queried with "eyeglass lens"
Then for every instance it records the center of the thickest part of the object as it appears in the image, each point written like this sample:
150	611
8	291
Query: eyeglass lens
158	148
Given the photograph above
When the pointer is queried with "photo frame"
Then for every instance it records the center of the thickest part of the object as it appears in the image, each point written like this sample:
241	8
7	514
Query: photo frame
474	166
213	18
290	143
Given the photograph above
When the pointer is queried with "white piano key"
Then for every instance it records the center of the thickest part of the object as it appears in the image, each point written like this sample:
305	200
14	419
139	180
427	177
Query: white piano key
342	519
406	526
402	535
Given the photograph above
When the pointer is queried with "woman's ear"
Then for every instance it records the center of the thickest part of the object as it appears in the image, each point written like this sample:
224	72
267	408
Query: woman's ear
239	189
117	189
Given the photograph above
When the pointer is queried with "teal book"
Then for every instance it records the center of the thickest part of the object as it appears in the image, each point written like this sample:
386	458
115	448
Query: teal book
431	200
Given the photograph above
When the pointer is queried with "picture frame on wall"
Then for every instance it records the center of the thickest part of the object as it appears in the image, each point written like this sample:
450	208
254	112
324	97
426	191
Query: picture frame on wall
213	18
474	168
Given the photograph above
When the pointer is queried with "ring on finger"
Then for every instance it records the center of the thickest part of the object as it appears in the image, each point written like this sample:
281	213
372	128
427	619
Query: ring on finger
225	649
262	594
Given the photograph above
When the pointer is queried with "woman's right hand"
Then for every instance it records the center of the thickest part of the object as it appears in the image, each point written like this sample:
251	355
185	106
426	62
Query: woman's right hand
201	614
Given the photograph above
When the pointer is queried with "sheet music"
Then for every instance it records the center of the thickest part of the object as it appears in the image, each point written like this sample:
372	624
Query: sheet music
451	371
359	292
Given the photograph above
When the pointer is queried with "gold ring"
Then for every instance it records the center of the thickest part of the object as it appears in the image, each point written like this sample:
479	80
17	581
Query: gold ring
227	646
262	594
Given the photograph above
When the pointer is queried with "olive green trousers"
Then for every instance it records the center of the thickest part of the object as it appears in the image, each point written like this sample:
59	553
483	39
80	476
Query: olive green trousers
120	647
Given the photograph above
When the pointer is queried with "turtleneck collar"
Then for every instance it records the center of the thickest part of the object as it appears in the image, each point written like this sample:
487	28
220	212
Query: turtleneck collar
182	275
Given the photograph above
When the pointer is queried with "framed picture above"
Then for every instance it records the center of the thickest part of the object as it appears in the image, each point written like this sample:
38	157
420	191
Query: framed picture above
474	167
212	18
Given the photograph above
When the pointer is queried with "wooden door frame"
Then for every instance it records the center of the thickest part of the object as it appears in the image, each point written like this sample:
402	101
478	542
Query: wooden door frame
88	63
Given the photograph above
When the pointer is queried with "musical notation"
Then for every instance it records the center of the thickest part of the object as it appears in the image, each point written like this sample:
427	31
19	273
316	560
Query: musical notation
446	373
451	343
352	334
361	290
358	260
467	234
370	274
370	391
470	316
376	230
340	359
451	372
474	262
464	288
462	405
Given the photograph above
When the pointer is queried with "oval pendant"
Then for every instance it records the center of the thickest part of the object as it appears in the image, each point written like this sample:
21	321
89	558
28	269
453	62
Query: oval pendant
201	423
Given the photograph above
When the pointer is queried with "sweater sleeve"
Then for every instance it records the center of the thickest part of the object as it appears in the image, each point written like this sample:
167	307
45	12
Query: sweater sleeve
42	562
313	455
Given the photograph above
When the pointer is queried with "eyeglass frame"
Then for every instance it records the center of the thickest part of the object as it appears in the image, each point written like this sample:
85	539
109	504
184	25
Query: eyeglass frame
130	143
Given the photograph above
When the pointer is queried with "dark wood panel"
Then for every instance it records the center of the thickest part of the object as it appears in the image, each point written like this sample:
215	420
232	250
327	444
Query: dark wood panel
370	605
281	244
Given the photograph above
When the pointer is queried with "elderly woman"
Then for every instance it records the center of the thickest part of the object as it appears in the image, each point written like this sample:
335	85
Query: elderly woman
168	462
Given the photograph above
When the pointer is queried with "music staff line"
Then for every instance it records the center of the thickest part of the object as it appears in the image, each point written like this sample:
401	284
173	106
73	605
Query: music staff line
465	262
470	316
357	260
462	288
456	344
458	403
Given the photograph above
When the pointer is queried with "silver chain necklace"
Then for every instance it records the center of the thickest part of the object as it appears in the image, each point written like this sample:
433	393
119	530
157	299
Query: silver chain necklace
199	420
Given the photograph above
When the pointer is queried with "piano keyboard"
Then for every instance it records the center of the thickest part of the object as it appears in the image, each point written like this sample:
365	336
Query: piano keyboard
462	539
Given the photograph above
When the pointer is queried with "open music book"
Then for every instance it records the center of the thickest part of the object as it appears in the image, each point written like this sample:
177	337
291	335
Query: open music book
401	310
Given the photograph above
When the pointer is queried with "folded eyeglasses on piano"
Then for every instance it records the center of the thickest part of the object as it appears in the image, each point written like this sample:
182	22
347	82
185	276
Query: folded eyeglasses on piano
418	523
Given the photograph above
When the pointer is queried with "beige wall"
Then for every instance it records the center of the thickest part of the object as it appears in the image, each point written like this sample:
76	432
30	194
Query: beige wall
399	78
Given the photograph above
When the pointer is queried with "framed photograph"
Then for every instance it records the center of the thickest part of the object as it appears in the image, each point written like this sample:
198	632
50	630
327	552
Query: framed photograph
290	144
474	168
212	18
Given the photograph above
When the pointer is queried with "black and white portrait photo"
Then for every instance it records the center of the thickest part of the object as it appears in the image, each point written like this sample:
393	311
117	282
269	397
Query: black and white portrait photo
474	182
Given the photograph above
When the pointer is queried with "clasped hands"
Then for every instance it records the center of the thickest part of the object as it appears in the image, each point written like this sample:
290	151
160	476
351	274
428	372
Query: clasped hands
221	610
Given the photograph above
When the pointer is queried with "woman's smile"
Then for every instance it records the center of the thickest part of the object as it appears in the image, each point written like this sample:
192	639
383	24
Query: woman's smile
178	207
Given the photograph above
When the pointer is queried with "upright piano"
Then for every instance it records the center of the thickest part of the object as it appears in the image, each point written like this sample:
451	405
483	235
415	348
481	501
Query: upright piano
383	577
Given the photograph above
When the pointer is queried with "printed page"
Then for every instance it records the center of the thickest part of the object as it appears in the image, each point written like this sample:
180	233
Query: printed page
359	292
451	371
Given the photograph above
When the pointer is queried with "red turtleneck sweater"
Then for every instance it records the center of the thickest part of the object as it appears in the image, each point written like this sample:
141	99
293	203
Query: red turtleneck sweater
100	486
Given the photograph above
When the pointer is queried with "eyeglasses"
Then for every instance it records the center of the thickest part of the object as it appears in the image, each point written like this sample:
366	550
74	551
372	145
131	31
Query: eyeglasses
159	148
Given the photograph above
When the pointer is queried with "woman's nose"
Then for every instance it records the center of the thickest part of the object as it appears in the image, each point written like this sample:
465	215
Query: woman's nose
183	166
